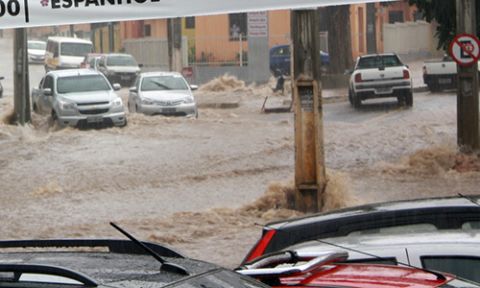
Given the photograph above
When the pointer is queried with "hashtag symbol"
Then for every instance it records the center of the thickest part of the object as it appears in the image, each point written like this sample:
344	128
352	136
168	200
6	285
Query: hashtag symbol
44	3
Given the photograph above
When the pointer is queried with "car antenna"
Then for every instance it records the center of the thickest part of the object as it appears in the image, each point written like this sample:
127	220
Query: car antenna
166	266
440	276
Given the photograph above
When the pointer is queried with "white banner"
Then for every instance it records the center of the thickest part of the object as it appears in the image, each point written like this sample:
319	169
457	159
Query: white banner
29	13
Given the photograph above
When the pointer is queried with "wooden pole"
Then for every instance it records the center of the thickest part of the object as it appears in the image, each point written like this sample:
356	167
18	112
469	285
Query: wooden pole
310	179
467	88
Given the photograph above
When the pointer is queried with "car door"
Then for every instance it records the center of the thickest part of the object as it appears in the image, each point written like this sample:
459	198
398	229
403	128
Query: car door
133	98
45	101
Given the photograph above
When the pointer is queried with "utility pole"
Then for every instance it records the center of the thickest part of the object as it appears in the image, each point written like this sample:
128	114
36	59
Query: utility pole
467	84
174	34
21	91
310	178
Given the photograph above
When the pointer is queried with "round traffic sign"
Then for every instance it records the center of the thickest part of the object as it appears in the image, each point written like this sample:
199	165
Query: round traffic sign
465	49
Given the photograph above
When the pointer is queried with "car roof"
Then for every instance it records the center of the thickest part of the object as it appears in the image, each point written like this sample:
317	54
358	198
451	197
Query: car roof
69	39
36	41
442	212
119	263
73	72
378	55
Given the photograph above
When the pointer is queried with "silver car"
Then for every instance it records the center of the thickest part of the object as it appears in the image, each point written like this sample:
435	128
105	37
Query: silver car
166	93
79	97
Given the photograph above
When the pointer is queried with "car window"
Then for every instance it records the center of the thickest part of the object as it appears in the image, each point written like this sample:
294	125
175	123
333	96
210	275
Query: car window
84	83
75	49
48	82
37	45
121	60
281	51
465	267
163	83
400	229
378	61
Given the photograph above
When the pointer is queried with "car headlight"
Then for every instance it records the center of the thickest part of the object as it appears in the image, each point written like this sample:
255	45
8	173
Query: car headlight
117	102
189	100
67	105
147	101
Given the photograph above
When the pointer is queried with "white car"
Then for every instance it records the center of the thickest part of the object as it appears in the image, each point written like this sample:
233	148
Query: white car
380	76
36	51
166	93
452	251
79	98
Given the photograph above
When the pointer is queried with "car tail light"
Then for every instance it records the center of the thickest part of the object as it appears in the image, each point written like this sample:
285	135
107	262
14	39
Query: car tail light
259	248
406	74
358	77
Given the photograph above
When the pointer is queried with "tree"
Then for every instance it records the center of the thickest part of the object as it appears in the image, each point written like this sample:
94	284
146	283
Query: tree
443	13
337	21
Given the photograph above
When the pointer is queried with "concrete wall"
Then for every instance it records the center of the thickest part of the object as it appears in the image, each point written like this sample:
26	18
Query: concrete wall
411	40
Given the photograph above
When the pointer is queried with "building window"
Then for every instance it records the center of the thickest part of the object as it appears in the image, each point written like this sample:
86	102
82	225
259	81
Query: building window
190	22
237	26
147	30
418	16
395	16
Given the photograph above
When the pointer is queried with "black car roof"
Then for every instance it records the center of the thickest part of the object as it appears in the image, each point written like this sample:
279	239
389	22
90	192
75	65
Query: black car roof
116	263
443	213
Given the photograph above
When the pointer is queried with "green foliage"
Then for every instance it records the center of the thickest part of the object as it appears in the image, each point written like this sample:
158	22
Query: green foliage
443	13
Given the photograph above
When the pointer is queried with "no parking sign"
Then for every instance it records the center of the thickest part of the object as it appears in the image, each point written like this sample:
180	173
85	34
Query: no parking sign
465	49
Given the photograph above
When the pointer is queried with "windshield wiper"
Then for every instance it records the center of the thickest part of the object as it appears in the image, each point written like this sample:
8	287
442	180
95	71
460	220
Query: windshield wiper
166	266
161	85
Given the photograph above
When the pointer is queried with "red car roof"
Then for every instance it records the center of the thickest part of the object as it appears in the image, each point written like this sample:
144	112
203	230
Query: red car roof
366	275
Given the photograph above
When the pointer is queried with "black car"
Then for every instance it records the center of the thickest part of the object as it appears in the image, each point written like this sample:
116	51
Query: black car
108	263
441	213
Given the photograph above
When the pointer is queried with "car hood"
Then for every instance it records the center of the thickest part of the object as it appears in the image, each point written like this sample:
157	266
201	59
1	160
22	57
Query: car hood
90	97
36	52
166	95
126	69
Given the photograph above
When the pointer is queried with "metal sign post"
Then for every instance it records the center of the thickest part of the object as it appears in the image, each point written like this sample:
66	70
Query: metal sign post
465	51
310	179
20	78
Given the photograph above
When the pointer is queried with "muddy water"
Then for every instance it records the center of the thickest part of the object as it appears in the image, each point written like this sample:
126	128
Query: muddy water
204	185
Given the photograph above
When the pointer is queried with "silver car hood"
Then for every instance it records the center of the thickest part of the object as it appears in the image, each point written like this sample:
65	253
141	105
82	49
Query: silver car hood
124	69
166	95
90	97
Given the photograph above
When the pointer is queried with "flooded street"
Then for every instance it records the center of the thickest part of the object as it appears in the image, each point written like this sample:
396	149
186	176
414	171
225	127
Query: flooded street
197	184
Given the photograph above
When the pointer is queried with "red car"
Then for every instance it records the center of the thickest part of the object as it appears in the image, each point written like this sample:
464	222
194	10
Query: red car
291	269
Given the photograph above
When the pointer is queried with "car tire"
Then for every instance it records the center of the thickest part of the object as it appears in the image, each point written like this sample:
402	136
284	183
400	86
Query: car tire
357	102
35	108
409	99
350	96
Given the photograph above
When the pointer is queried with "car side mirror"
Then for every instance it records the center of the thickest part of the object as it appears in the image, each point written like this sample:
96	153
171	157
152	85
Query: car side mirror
133	89
140	65
193	87
47	92
116	86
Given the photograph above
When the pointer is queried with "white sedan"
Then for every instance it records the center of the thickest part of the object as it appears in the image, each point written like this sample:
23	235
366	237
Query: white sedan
380	76
165	93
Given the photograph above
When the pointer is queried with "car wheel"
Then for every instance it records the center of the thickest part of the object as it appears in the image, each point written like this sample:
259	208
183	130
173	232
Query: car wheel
409	99
35	108
124	124
357	102
350	96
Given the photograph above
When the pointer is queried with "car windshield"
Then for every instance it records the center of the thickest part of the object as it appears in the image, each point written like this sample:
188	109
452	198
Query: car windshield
37	45
378	61
75	49
163	83
84	83
123	60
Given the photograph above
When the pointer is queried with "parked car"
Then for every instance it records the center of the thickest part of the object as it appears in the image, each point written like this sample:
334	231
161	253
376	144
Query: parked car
442	213
79	97
108	263
280	60
166	93
455	252
380	76
1	87
304	269
119	68
36	51
66	52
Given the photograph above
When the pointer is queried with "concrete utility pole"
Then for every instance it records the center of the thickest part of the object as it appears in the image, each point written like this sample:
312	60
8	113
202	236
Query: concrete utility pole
174	27
21	91
310	179
467	91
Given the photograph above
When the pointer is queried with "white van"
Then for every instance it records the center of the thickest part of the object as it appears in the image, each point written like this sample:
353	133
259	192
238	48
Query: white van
66	53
